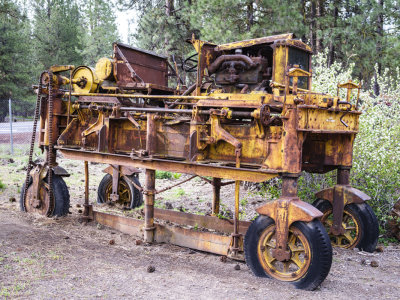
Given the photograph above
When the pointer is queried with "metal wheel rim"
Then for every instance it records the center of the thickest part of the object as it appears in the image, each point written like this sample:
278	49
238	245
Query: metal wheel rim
124	193
299	261
45	208
350	223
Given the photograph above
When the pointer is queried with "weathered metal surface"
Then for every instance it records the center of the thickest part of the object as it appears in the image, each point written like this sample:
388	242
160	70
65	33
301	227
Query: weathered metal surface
347	193
148	67
252	42
149	205
203	241
243	174
255	120
210	222
394	223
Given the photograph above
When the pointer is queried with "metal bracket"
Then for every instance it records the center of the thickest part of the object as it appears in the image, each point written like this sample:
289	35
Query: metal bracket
114	197
38	174
218	133
339	196
284	212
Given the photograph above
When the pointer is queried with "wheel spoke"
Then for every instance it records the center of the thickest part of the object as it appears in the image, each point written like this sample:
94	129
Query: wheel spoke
124	193
339	240
297	249
286	265
292	239
295	258
271	244
350	227
349	237
270	259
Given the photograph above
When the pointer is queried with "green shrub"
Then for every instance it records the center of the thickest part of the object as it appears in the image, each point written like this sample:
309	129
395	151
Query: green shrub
163	175
2	185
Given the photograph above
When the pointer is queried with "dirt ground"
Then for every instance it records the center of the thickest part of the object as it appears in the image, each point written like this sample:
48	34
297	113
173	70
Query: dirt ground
42	258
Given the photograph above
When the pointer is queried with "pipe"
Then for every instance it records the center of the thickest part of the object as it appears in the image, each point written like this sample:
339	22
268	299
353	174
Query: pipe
217	63
235	114
185	93
148	96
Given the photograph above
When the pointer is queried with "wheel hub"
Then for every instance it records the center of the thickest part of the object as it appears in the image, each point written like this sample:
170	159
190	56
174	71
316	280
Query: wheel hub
346	238
42	205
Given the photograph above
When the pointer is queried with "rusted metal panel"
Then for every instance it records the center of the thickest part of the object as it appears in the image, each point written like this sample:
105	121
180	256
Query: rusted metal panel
320	121
220	225
347	193
203	241
252	42
150	67
123	224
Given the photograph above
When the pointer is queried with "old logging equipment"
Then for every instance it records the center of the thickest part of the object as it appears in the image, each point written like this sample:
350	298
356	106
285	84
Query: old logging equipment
250	115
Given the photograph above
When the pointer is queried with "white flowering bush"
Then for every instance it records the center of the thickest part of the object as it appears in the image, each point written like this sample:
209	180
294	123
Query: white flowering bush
376	153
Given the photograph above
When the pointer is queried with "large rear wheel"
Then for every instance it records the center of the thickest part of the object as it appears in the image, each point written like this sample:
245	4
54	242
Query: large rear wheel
309	246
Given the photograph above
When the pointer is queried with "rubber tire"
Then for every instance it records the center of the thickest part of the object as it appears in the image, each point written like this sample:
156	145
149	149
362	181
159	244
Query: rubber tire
320	247
61	196
369	223
107	180
371	233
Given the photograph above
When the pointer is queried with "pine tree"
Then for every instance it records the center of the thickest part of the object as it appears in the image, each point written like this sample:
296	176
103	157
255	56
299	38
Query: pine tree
100	30
56	33
15	66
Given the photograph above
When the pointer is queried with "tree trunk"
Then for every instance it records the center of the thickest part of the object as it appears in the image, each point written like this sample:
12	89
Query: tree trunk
312	25
250	15
333	39
379	31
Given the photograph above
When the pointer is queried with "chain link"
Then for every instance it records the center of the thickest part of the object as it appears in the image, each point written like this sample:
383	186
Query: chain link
32	146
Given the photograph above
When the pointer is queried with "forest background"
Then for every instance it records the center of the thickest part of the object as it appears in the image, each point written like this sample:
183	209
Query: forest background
351	39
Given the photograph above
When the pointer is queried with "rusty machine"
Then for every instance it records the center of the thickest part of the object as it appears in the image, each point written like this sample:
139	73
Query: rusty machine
250	115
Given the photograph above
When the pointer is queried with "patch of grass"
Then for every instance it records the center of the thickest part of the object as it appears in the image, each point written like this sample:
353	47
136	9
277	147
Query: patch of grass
54	256
4	292
18	287
387	240
180	192
177	175
163	175
2	185
28	261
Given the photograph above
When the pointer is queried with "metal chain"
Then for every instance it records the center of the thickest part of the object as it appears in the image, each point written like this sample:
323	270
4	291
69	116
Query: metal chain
50	138
50	152
32	146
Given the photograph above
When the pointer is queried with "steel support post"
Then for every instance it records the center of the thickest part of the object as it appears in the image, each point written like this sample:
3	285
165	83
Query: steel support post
11	121
86	204
114	197
343	178
289	192
149	205
343	175
236	235
216	183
